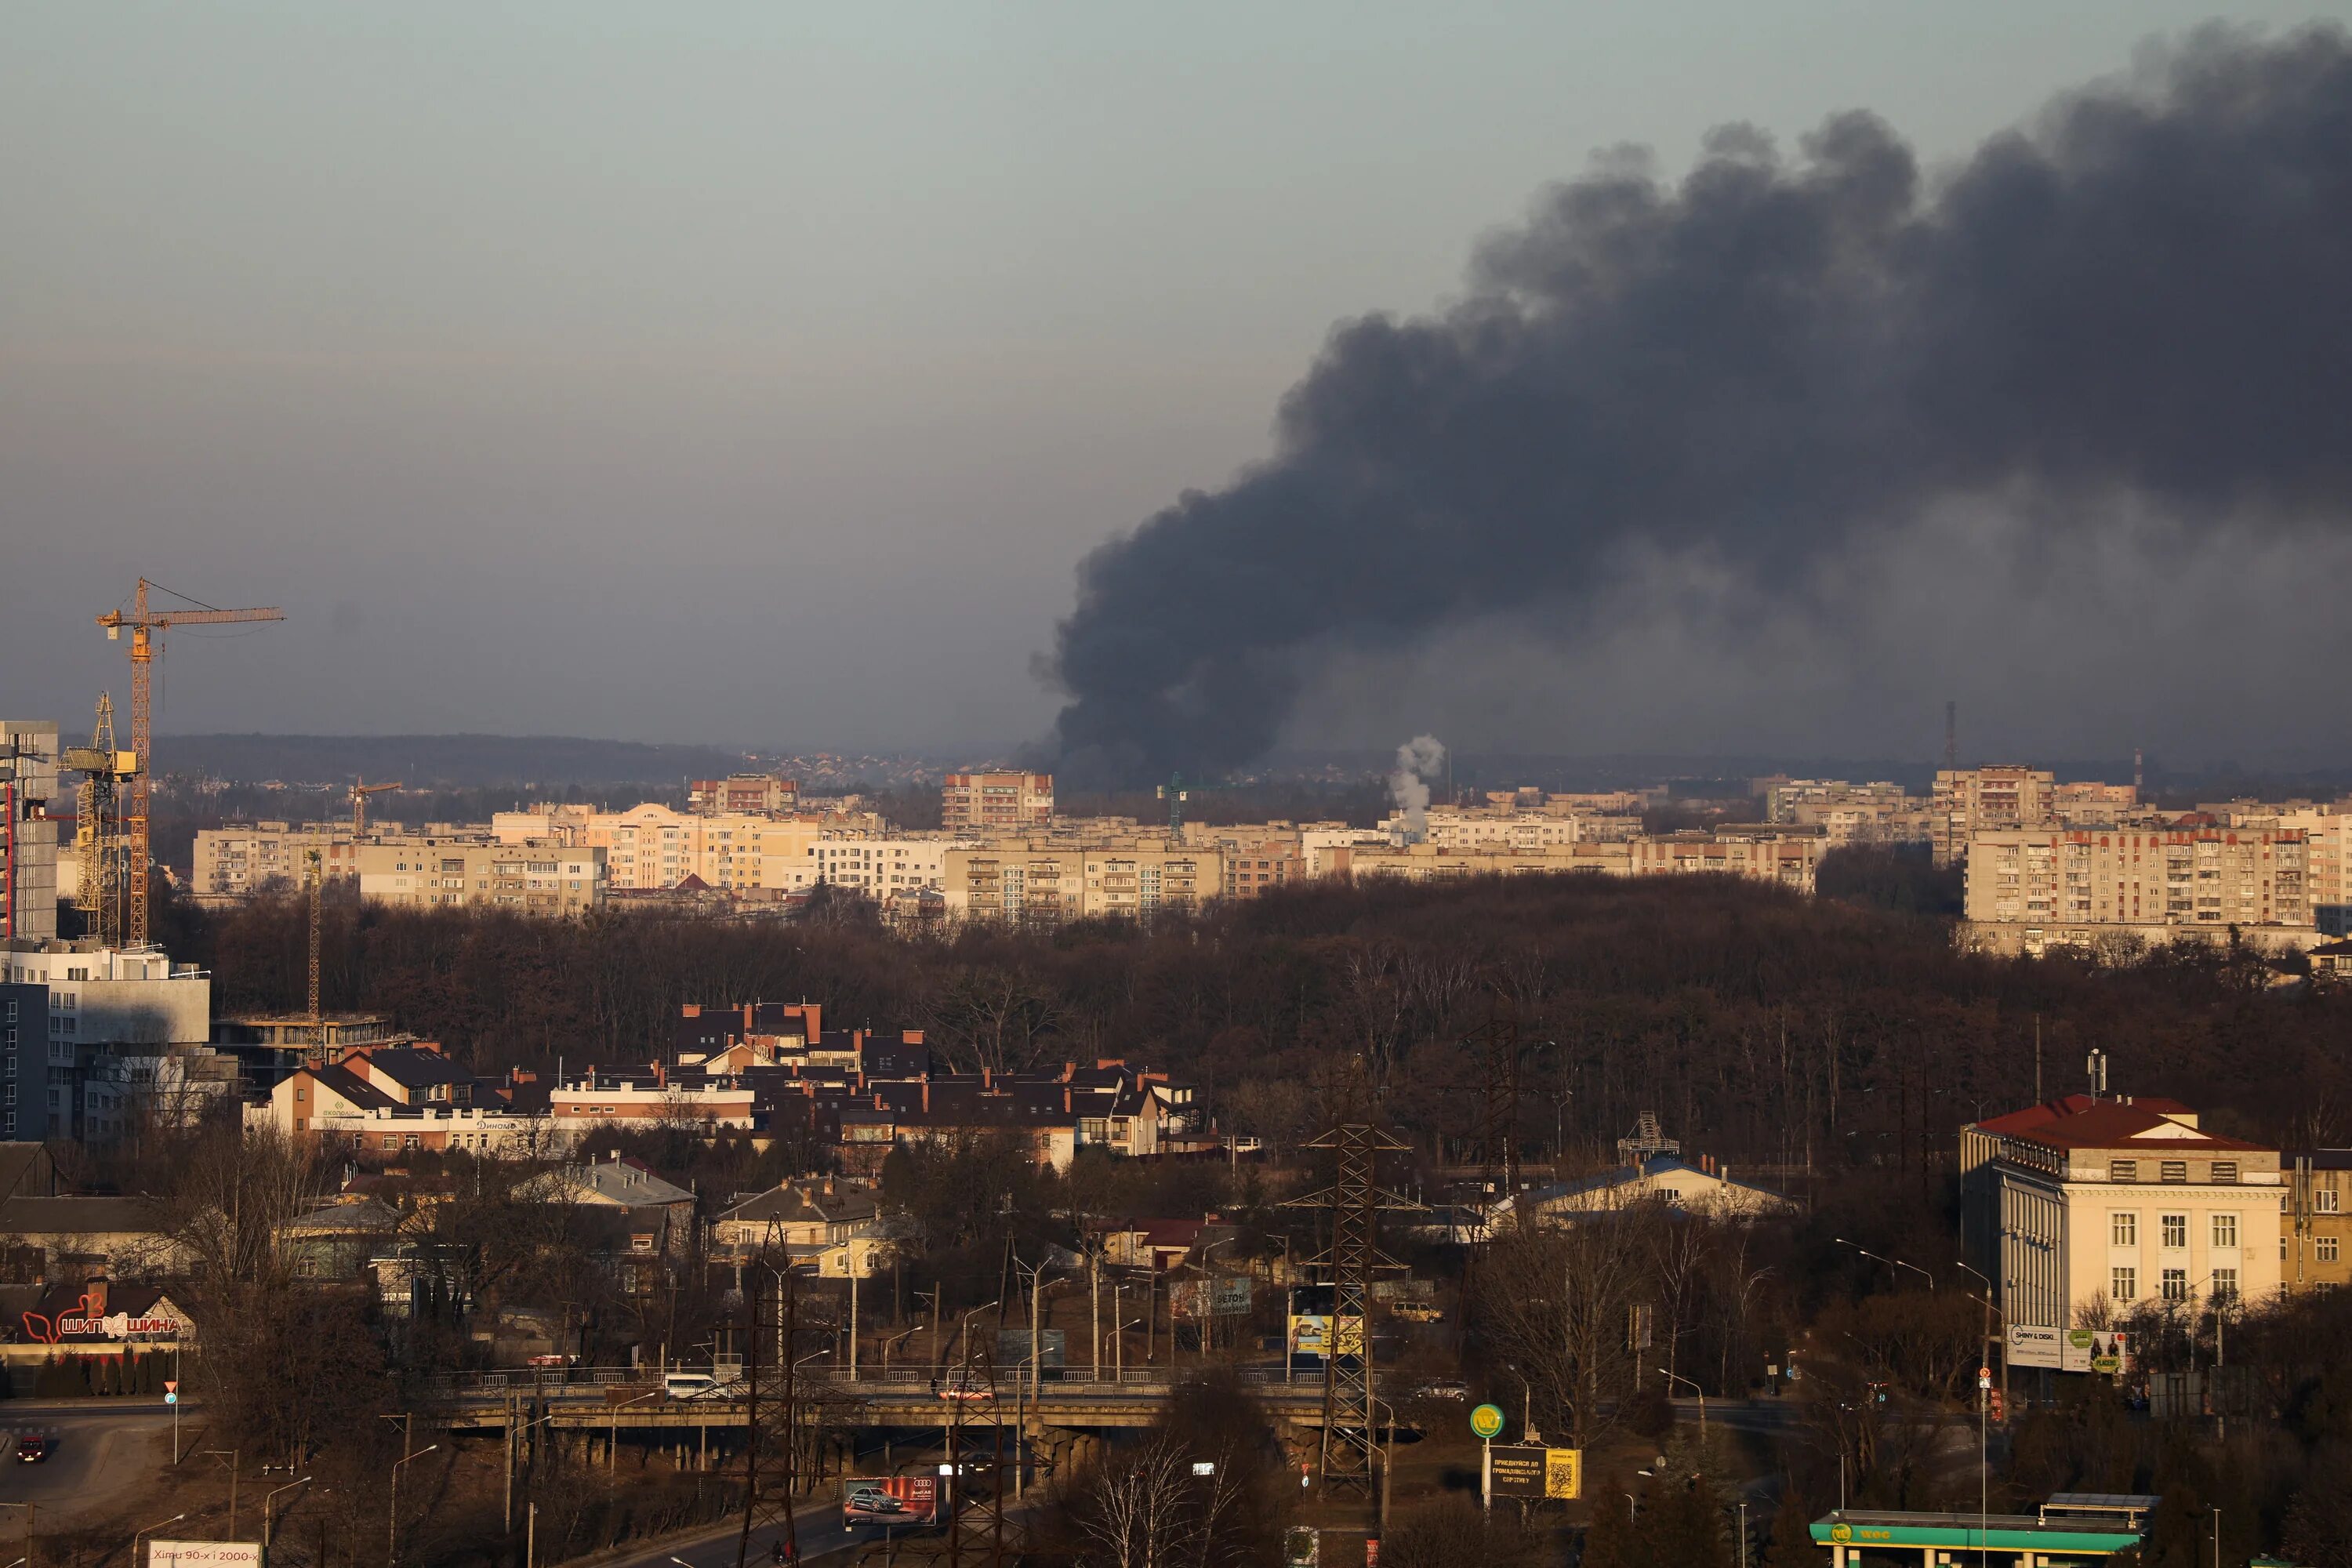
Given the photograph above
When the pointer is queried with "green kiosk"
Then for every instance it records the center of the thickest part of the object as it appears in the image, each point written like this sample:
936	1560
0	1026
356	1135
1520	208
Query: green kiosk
2073	1529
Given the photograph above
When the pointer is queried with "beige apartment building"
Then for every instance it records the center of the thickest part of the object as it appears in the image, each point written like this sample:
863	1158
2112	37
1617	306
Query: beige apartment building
236	861
2105	1206
879	867
651	849
744	794
473	873
1849	813
1046	882
1001	802
1785	855
1428	862
2031	889
1969	801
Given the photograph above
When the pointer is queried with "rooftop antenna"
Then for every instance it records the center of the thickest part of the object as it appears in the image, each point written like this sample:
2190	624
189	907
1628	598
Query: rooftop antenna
2097	1065
1951	735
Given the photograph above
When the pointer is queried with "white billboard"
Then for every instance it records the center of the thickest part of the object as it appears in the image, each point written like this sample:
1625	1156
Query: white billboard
2031	1344
204	1555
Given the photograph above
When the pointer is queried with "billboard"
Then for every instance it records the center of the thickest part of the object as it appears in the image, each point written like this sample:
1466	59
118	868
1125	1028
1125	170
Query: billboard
2096	1350
907	1501
2033	1345
1524	1470
204	1555
1190	1301
1311	1332
1013	1348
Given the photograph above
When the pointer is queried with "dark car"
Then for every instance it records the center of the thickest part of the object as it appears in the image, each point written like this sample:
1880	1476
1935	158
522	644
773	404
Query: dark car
35	1450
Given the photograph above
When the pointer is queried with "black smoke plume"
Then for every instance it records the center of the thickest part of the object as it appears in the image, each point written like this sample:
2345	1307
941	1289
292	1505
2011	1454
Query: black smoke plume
2145	294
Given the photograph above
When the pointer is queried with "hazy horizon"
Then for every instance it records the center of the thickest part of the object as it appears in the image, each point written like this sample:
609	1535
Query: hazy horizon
740	375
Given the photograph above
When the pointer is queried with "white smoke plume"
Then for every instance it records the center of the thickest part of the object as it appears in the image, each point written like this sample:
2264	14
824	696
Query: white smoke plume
1417	761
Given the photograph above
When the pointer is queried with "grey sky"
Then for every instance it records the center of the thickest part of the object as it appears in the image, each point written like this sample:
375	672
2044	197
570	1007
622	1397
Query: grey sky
759	371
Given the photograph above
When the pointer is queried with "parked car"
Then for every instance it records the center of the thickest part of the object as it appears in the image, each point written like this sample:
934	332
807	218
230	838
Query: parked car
1443	1391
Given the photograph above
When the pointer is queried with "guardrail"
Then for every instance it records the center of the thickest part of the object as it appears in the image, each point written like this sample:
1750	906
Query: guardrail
595	1382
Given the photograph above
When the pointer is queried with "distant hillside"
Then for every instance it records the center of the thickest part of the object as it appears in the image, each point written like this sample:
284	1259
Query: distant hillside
454	761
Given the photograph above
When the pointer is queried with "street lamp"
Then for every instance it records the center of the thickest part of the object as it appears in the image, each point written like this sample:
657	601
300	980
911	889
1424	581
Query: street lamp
1678	1377
232	1454
613	1438
1892	1263
150	1530
272	1497
392	1522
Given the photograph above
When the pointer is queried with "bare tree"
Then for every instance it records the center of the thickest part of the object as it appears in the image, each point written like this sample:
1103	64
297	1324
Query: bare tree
1557	1302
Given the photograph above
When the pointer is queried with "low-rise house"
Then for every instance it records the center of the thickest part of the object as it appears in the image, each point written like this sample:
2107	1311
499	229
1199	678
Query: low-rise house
656	1216
335	1240
836	1226
1709	1194
45	1238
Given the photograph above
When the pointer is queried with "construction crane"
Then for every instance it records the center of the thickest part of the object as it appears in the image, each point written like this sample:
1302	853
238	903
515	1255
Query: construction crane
1176	792
360	791
97	833
317	877
147	627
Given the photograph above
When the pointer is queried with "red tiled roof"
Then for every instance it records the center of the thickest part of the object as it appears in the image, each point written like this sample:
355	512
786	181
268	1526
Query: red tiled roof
2113	1125
2067	1105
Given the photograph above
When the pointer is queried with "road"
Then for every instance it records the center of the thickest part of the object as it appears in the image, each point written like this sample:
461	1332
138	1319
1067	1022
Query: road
104	1455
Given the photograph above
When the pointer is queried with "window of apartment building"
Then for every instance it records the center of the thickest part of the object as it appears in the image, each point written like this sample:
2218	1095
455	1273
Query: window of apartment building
2225	1231
2123	1284
2173	1171
2225	1285
2323	1201
2326	1248
2225	1171
2176	1284
2123	1228
2176	1230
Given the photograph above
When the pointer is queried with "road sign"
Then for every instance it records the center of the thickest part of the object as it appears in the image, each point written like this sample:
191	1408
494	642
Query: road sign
1526	1470
1486	1421
1984	1377
170	1399
170	1385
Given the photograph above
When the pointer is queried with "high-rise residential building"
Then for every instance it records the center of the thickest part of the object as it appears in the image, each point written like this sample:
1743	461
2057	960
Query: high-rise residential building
1970	801
236	861
1047	882
2031	889
469	873
28	838
99	1001
973	803
24	1062
752	795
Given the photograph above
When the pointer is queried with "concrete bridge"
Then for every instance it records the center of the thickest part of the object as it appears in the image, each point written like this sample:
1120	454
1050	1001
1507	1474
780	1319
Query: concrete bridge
899	1397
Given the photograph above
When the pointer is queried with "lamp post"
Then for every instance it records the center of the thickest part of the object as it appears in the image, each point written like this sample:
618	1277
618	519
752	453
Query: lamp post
1678	1377
1892	1263
613	1434
150	1530
506	1517
392	1521
272	1497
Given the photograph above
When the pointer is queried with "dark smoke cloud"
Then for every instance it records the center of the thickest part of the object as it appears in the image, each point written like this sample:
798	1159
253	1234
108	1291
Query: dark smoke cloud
2144	296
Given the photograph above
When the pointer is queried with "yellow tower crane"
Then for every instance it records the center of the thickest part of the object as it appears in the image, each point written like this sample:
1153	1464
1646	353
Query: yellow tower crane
360	791
97	833
147	627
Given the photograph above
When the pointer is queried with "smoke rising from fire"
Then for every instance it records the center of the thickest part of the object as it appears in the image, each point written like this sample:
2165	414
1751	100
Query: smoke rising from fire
1417	761
2135	301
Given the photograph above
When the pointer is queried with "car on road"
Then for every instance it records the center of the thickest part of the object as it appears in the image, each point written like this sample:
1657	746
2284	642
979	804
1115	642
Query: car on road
35	1450
966	1391
691	1385
1443	1391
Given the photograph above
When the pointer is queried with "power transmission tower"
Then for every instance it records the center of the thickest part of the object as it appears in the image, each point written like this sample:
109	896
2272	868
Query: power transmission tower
1497	1043
1355	1200
772	1413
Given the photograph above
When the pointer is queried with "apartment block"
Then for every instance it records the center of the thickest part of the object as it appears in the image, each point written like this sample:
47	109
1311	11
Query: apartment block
743	795
1970	801
1048	883
2315	1220
104	1005
24	1062
1787	857
2031	889
238	860
1849	813
1009	802
469	873
879	867
2102	1206
28	837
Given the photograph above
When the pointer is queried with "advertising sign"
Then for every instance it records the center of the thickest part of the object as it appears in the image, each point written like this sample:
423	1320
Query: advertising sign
2106	1351
888	1499
1190	1301
1518	1470
1564	1473
1404	1290
204	1555
1309	1334
2032	1344
1013	1348
1487	1421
